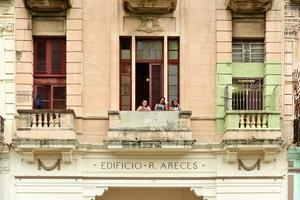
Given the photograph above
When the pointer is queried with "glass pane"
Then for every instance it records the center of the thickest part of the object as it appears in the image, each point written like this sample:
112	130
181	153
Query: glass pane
173	80
41	55
123	107
172	97
173	44
125	90
173	90
59	104
125	86
125	43
149	49
173	55
173	69
125	54
59	93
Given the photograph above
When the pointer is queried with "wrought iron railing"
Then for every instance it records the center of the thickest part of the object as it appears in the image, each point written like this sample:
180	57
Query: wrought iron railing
244	94
1	130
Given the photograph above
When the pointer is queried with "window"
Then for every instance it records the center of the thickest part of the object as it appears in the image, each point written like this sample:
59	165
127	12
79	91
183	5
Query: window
247	94
49	73
125	73
49	56
173	69
248	51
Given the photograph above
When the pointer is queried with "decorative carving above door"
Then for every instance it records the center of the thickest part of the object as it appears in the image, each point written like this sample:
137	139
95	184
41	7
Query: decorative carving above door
149	6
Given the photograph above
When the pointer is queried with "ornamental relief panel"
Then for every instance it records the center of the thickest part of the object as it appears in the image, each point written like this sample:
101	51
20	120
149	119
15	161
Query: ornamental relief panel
149	24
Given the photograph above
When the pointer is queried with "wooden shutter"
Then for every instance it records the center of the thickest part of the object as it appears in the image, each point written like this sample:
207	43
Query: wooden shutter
156	85
40	53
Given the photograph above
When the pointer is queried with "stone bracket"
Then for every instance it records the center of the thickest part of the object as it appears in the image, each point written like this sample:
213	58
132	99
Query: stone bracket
231	156
269	156
249	6
91	192
206	193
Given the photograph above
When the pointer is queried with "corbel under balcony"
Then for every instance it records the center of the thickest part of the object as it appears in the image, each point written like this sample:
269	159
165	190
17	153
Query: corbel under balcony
248	6
269	148
149	6
48	5
30	147
149	130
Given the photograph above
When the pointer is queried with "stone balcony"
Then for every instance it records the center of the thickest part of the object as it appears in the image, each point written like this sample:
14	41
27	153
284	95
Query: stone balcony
248	6
149	6
48	5
148	130
1	130
46	124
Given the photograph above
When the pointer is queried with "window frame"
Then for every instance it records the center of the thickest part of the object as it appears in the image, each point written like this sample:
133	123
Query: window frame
174	62
250	42
49	40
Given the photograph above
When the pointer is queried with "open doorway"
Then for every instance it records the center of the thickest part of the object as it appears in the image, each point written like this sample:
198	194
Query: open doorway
149	83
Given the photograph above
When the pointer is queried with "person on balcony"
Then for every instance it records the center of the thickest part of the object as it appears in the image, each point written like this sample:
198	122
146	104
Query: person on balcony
38	102
174	106
144	106
161	106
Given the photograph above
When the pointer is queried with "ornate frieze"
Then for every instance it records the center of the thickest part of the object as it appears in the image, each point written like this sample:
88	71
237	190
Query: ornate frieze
149	6
48	5
149	24
241	165
249	6
56	165
291	29
7	27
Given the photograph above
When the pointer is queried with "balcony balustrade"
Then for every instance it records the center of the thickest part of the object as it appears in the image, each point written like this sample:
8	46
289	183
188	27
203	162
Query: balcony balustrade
249	6
48	5
46	124
149	129
245	116
1	130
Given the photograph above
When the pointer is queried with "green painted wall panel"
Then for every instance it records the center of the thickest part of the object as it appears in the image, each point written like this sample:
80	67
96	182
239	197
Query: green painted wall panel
247	69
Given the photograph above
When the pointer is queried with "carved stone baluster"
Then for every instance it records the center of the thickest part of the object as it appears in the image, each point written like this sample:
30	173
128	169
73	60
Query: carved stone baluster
242	121
259	120
51	121
57	120
39	120
253	121
33	120
247	120
264	120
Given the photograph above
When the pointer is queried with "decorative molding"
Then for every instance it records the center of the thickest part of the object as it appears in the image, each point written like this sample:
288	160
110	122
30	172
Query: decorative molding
149	24
249	6
28	156
7	27
269	156
248	168
66	156
231	156
291	29
204	192
149	6
57	165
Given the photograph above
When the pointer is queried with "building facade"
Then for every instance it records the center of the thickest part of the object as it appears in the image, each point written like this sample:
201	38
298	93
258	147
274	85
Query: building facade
292	10
7	92
82	68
